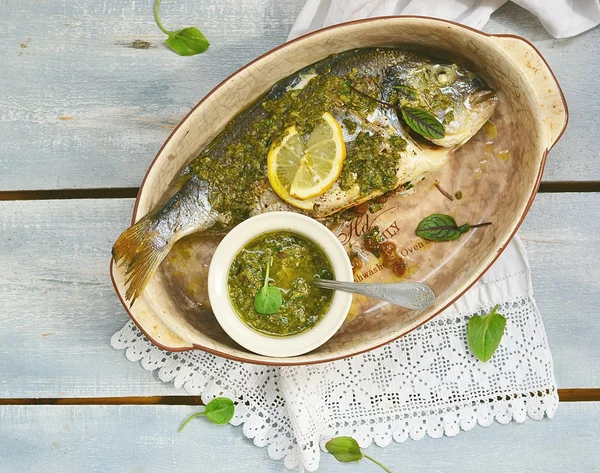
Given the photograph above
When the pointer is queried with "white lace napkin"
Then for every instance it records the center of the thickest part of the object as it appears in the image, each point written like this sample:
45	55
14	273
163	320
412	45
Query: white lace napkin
426	383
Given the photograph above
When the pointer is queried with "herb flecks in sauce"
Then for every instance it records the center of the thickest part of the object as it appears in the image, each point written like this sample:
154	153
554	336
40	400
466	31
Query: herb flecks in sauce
323	93
373	239
296	262
355	260
350	125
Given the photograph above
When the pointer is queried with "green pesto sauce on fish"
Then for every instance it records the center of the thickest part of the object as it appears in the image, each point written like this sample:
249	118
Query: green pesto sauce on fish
237	163
230	178
323	93
296	262
430	89
373	163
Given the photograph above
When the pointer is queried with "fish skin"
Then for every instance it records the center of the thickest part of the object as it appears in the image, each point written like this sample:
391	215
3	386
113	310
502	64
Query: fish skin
143	246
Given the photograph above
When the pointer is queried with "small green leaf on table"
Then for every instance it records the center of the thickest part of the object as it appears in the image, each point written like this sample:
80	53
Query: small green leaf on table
185	42
219	411
484	333
188	41
346	449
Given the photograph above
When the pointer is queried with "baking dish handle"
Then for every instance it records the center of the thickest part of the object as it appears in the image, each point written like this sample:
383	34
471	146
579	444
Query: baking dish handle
552	105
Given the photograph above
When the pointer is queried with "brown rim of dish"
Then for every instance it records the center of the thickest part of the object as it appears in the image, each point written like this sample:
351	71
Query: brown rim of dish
453	300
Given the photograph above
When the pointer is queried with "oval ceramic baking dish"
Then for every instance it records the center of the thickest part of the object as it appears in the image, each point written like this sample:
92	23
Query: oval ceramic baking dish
498	174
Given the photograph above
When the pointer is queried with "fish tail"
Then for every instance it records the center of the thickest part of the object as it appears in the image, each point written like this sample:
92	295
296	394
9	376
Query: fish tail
142	248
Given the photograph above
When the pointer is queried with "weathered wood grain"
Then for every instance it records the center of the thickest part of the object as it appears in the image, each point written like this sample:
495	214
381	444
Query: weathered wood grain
80	107
136	439
58	309
574	395
563	246
57	306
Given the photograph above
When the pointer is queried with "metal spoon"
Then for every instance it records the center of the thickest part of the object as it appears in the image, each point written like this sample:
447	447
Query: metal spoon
412	295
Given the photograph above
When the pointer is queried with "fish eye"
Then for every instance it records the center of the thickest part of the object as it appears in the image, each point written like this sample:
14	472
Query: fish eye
443	75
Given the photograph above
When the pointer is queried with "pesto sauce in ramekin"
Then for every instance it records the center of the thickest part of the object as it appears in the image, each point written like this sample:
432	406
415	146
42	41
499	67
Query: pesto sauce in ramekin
296	261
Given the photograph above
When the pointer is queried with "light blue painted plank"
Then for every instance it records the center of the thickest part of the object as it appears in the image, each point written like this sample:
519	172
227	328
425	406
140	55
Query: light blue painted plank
58	310
77	63
563	244
74	59
143	439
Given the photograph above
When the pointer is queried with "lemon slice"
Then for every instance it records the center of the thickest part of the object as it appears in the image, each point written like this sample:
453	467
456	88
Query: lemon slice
299	171
283	162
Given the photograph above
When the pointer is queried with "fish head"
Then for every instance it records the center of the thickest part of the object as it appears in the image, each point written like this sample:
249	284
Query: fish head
453	94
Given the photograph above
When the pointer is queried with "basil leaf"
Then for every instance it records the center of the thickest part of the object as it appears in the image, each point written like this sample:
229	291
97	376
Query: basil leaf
439	227
187	42
220	410
186	421
268	300
484	334
424	123
344	449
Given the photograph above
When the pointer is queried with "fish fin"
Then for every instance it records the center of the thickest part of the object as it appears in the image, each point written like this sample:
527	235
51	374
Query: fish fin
142	249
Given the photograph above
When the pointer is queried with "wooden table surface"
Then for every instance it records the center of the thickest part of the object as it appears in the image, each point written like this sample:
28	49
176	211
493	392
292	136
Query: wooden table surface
82	114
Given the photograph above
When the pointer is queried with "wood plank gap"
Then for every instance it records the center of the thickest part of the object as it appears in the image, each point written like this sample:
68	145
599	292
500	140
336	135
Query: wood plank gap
579	394
569	186
93	401
131	192
99	193
565	395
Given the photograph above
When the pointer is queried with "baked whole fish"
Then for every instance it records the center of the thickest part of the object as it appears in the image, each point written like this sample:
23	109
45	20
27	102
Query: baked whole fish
228	182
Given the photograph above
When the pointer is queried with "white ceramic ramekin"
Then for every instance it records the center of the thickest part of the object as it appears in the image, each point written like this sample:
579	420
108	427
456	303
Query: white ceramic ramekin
219	296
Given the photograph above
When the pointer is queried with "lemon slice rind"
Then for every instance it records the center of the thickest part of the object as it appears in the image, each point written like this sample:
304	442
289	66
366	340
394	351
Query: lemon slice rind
285	168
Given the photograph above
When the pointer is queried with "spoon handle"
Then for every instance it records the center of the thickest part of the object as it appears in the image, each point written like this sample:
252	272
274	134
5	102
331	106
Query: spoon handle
412	295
